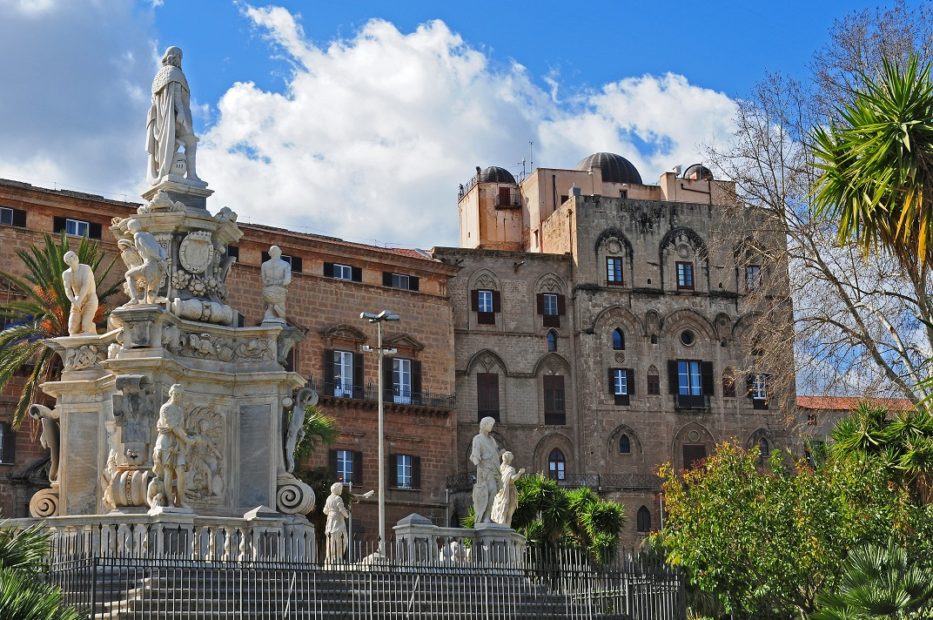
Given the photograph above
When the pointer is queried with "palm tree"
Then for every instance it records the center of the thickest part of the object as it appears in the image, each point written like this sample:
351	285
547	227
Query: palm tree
877	165
24	595
877	582
40	311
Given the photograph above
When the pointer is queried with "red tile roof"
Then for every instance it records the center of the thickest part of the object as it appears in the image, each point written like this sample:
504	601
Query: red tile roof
848	403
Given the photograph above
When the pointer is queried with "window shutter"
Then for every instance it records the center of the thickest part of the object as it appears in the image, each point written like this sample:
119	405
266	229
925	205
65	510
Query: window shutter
296	264
540	305
392	471
416	382
487	395
19	218
8	446
749	384
94	230
358	382
706	374
58	224
414	283
328	388
332	463
357	467
612	382
416	472
496	302
264	256
630	380
672	381
386	278
357	274
561	305
328	270
474	300
388	380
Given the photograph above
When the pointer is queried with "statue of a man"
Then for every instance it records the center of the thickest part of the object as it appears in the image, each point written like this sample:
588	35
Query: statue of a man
170	455
81	291
276	276
485	455
336	527
49	439
169	125
150	265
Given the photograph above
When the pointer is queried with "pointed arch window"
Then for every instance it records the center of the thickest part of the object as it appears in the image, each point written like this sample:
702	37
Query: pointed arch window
625	444
556	465
618	340
764	449
643	520
654	381
551	341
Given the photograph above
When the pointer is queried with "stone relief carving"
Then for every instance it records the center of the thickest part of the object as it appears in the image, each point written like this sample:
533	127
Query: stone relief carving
205	311
49	437
83	357
196	251
276	276
161	202
211	346
81	291
146	262
486	281
550	284
206	429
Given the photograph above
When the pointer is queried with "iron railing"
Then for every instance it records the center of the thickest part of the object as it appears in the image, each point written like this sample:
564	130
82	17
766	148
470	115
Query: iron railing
370	393
598	482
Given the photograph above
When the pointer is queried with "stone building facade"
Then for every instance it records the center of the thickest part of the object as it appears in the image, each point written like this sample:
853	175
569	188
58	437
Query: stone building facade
333	281
619	334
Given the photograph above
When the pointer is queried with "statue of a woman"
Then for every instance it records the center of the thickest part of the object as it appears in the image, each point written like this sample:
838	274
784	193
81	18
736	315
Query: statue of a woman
507	498
336	527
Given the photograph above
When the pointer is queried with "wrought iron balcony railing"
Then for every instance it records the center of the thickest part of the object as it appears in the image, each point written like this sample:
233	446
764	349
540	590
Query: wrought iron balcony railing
369	393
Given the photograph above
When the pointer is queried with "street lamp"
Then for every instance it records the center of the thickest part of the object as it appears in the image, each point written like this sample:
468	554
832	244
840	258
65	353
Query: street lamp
381	351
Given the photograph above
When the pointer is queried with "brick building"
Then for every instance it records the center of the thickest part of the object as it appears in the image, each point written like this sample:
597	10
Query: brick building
333	281
605	324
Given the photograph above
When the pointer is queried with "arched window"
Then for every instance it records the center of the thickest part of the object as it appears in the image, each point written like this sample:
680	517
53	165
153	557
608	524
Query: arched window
556	465
643	520
654	381
618	340
551	341
625	444
728	383
764	449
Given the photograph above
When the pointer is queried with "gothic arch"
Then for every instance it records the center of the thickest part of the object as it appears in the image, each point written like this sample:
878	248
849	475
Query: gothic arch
723	326
687	316
744	324
547	443
486	359
550	283
761	433
552	362
485	279
617	234
613	441
616	316
691	433
684	235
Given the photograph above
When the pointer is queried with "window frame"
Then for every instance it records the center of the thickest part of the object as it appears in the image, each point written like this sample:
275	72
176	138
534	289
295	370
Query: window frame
643	520
615	275
338	272
401	368
752	277
625	442
342	473
694	370
342	389
620	380
487	295
685	271
550	305
404	462
77	225
617	332
557	465
551	339
654	381
4	210
484	405
759	386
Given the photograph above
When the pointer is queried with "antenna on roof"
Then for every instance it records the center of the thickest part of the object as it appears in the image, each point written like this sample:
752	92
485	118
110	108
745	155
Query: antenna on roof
531	154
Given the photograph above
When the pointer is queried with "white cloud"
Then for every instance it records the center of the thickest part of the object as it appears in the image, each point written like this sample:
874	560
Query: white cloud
373	134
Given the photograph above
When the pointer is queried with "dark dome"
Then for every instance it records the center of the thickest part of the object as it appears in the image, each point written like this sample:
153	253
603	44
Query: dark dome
698	172
495	174
615	168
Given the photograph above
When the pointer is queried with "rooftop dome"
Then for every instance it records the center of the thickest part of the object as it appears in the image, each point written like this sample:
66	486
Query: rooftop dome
698	172
495	174
615	168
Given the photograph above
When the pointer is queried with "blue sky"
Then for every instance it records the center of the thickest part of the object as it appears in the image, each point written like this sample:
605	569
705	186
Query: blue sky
359	119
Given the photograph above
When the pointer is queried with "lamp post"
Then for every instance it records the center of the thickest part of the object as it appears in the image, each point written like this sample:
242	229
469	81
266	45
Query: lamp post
381	351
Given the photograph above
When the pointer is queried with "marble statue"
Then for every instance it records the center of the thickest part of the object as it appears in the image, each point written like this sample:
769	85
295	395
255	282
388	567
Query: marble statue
81	291
507	498
146	260
49	438
169	457
306	397
276	276
168	125
336	527
485	455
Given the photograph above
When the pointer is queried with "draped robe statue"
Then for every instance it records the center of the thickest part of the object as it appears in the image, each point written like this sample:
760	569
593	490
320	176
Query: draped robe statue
169	125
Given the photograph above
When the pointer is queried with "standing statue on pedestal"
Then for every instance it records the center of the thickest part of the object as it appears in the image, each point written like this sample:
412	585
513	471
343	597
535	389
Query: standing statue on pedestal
507	498
170	455
81	291
485	455
336	527
169	125
276	276
49	439
146	261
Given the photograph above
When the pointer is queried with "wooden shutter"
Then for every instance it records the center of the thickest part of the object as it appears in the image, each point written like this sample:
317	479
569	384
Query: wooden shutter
612	381
388	380
357	274
386	278
357	467
416	472
561	305
358	382
706	374
328	270
540	303
749	384
392	471
505	196
58	224
19	218
487	395
8	446
630	380
264	256
414	283
332	463
474	300
94	230
328	388
672	381
296	264
416	382
496	302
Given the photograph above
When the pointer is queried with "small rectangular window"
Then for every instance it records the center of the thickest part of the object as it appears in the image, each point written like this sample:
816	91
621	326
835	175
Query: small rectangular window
401	381
654	383
343	272
400	280
689	381
752	277
77	228
614	270
345	465
6	216
404	471
619	382
485	301
760	387
684	276
554	411
343	374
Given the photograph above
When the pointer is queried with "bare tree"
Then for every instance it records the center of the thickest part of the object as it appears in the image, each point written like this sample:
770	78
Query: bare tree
858	321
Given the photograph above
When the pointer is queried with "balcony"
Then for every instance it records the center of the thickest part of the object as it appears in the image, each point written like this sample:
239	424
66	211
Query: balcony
597	482
691	402
369	395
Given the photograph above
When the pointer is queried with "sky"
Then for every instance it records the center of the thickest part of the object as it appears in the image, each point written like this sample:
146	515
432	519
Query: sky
359	119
